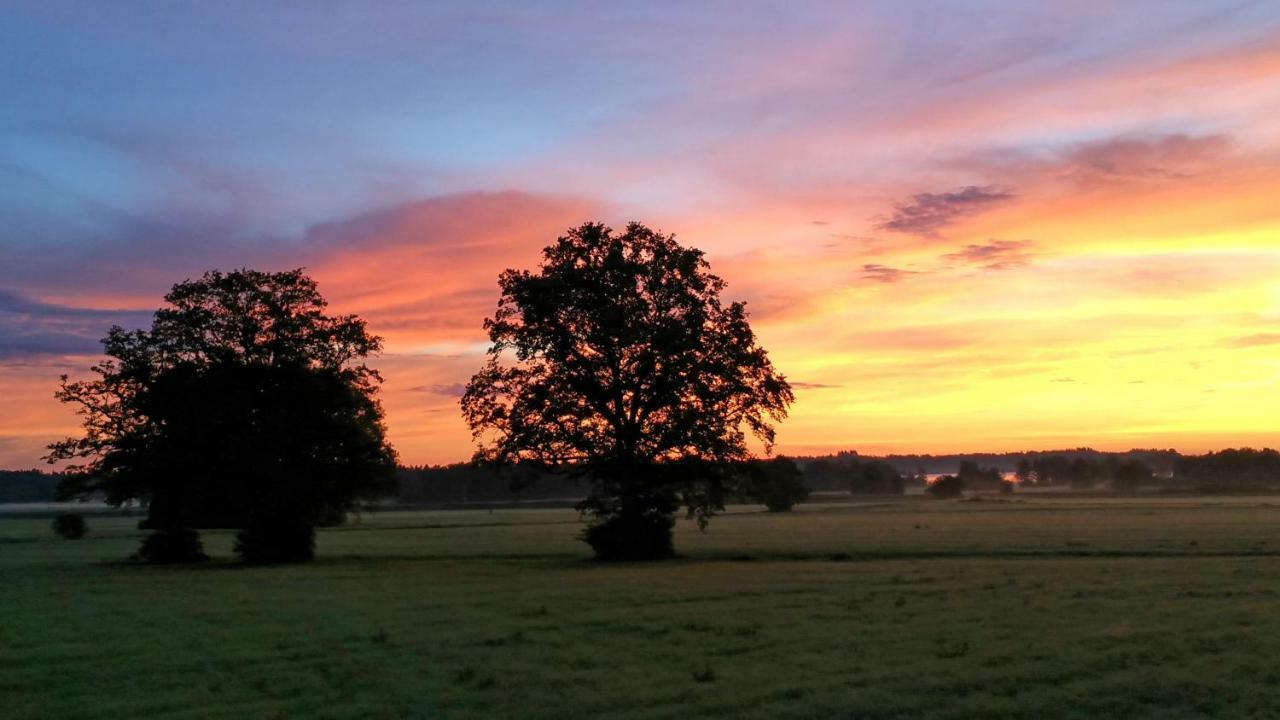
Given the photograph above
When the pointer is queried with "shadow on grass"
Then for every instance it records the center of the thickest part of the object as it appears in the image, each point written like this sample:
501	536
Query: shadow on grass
576	561
994	554
360	527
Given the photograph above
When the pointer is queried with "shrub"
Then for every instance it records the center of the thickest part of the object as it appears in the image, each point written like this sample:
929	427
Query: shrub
275	541
70	526
947	486
164	547
632	536
705	675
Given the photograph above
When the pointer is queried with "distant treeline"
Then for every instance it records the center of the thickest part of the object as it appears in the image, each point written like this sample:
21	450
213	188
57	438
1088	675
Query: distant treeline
1243	470
1227	471
1161	462
28	486
469	483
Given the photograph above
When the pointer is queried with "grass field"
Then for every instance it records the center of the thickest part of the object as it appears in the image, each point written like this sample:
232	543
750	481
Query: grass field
1039	608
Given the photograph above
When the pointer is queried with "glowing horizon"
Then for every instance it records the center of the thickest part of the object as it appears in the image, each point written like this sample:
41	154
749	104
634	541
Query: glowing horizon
1004	229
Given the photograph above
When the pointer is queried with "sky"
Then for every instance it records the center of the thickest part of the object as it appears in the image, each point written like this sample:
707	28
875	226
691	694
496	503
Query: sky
958	226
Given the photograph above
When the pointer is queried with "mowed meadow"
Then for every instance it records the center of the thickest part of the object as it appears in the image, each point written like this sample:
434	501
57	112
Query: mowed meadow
1018	608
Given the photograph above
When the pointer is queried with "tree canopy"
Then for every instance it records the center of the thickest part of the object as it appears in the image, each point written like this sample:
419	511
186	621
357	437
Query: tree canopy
245	405
777	483
867	477
617	360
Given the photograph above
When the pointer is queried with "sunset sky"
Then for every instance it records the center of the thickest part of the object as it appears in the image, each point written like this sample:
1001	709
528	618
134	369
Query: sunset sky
957	225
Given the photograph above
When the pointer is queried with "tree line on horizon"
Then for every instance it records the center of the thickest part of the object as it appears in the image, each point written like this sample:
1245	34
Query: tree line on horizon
1226	471
462	483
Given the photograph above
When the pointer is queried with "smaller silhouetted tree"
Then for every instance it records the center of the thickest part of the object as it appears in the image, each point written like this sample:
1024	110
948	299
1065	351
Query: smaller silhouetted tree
776	483
947	486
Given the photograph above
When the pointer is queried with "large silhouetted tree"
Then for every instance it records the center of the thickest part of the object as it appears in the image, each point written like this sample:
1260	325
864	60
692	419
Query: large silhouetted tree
617	360
245	406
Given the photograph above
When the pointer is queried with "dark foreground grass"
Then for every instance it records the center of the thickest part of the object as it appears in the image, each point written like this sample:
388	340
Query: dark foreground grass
1035	609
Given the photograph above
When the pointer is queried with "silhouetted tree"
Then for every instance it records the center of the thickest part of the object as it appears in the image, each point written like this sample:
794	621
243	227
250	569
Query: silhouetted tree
1052	470
875	477
975	477
243	406
776	483
947	486
1131	475
830	472
1230	470
617	361
1025	472
1082	474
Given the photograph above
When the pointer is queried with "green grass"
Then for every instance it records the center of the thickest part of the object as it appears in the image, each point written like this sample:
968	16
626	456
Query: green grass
1021	609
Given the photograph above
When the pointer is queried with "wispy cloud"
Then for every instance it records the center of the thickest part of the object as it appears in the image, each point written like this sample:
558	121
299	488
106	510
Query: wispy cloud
447	389
926	214
1254	340
886	274
994	254
798	385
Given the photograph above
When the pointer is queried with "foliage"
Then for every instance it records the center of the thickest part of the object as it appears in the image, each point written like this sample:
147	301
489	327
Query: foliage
975	477
169	546
644	535
70	526
243	406
1025	472
465	482
27	486
1131	475
285	540
1083	474
946	487
875	477
777	483
472	482
616	361
1240	469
